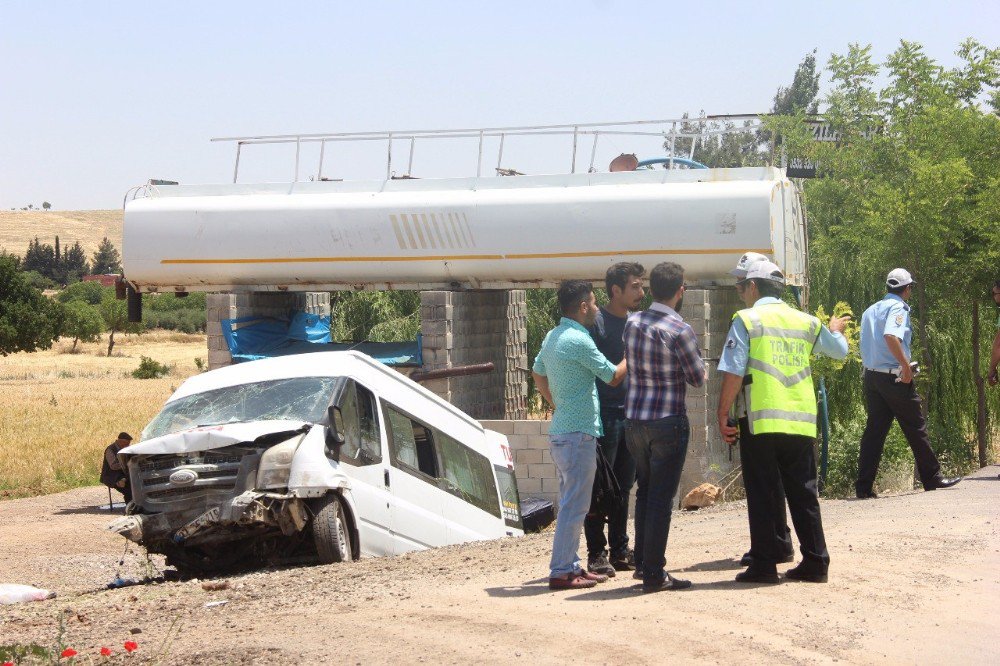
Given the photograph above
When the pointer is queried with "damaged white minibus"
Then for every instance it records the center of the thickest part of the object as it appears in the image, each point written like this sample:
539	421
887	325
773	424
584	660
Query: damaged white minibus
327	455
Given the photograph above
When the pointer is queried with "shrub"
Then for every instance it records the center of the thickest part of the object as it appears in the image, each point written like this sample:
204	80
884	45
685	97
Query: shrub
150	369
38	281
895	469
90	292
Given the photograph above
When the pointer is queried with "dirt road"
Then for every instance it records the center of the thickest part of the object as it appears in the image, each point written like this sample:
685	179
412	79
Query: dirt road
915	579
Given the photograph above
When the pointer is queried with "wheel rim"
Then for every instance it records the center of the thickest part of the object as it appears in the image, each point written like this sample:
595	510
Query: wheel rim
345	552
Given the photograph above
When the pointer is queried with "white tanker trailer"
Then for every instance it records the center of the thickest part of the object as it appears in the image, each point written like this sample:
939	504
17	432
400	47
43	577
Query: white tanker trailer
483	233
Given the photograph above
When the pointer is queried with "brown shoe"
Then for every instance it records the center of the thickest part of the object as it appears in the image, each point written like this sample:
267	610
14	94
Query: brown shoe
570	582
590	575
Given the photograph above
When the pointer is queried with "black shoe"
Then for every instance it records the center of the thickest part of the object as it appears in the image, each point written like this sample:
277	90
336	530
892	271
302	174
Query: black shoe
623	561
599	564
758	575
808	573
668	583
942	482
747	558
866	494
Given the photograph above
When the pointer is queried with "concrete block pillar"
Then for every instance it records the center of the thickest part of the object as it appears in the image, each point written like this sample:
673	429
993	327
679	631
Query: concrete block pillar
467	327
272	304
709	311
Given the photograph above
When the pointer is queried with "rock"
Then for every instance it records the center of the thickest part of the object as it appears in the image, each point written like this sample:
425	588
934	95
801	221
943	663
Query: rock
215	585
702	496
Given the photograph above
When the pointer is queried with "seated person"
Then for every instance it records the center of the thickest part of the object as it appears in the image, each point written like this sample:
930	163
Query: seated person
112	474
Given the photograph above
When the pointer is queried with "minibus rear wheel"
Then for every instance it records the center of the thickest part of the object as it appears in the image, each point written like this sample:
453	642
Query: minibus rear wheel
331	532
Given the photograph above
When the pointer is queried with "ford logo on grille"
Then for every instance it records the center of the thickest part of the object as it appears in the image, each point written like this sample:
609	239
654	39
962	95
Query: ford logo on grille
183	477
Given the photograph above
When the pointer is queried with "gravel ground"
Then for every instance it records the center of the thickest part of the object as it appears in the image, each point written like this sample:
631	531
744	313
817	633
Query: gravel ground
915	578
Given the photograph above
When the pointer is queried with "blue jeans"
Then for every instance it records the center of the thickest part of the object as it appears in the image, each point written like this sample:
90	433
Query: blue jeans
575	456
615	450
659	448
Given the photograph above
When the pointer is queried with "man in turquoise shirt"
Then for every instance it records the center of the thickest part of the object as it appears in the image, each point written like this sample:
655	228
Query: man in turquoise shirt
564	373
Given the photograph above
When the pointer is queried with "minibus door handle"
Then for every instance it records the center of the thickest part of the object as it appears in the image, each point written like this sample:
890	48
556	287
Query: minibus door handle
387	478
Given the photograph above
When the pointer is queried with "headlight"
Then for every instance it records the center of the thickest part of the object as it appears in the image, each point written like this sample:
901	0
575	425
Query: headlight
276	465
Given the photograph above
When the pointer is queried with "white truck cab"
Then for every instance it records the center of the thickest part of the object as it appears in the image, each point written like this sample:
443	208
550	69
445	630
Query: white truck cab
328	454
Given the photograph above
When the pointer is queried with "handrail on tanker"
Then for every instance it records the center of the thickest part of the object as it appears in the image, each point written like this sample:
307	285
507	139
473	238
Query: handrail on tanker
670	130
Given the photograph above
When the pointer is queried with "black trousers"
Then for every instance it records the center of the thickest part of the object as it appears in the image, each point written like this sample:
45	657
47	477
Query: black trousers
886	399
623	465
781	531
789	460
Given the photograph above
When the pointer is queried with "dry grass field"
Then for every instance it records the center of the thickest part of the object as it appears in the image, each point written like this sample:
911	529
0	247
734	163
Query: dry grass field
59	410
18	227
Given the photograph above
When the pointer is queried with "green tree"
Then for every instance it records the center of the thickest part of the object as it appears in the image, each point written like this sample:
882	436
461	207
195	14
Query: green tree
802	94
376	316
28	320
46	205
40	257
10	256
83	322
106	258
115	315
38	281
91	292
74	265
912	182
724	146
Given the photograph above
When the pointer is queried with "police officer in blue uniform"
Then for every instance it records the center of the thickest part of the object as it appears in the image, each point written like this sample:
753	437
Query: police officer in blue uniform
889	390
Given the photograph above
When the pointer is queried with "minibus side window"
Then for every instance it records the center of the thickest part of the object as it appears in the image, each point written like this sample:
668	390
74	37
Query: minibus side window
467	474
412	443
509	497
371	439
361	432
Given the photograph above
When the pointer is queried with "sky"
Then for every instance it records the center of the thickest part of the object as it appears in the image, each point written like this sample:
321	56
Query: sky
99	97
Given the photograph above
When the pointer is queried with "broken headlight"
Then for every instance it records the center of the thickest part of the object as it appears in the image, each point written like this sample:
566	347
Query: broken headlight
276	465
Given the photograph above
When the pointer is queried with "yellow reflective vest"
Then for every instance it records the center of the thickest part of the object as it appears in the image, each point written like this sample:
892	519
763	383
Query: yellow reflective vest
780	397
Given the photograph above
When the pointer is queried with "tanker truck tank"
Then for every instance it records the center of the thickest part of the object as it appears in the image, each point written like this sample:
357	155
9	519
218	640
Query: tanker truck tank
485	233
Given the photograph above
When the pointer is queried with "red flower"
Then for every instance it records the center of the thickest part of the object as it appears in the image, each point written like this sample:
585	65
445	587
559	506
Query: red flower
8	663
131	646
105	652
68	653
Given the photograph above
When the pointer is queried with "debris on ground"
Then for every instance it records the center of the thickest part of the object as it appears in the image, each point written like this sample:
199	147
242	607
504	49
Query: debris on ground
704	495
11	593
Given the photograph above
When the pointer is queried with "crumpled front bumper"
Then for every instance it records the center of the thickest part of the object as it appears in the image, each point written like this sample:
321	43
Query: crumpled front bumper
249	509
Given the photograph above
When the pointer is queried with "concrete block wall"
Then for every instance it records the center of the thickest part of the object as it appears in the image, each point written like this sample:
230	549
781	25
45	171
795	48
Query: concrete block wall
710	312
468	327
273	304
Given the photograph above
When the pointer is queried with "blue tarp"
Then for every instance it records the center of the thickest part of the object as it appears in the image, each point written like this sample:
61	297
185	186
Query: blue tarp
252	338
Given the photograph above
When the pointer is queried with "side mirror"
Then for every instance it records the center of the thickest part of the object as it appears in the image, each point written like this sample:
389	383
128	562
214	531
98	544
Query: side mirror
334	432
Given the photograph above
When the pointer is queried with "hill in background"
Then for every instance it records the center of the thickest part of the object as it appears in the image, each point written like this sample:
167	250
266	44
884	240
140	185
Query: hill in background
18	228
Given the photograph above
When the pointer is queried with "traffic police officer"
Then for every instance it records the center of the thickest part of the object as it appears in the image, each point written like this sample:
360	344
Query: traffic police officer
781	531
889	390
767	359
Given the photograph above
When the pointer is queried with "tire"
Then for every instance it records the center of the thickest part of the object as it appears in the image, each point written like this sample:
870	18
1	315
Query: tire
331	531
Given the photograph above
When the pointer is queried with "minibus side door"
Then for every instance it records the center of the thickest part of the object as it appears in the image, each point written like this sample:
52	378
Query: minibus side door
416	515
363	459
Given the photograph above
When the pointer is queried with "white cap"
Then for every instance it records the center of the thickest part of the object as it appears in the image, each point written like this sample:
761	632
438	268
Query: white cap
745	262
898	277
766	270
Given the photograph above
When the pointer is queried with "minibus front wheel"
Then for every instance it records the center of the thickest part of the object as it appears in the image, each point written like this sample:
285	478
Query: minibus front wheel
331	531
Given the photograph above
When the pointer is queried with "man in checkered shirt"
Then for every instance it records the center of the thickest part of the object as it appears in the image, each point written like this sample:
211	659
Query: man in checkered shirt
663	358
